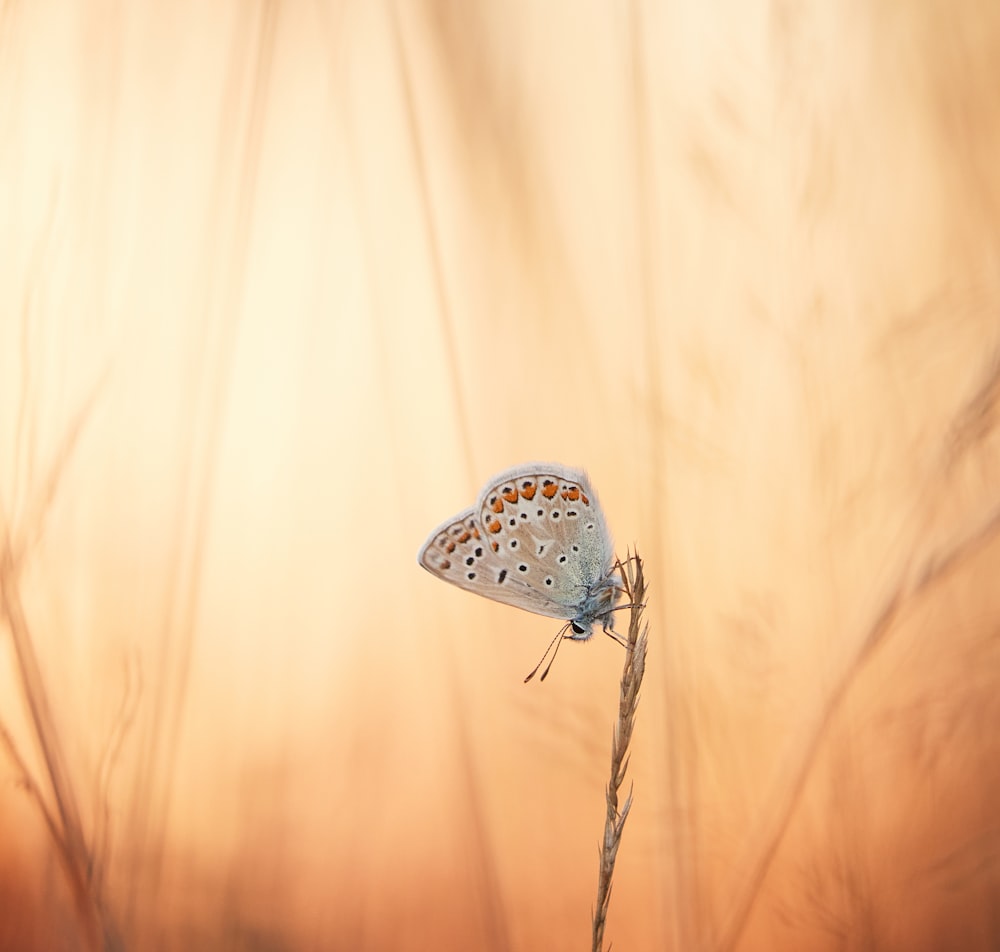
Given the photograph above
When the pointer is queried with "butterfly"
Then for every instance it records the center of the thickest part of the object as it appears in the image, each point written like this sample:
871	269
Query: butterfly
535	539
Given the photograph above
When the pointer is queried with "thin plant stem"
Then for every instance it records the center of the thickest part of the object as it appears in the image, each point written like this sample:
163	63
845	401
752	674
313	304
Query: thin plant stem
64	824
634	586
914	582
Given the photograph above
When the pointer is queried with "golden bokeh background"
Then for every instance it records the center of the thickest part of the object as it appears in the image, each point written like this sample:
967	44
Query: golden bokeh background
282	284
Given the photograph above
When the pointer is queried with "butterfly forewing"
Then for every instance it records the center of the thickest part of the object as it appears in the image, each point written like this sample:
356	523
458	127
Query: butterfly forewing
453	550
459	553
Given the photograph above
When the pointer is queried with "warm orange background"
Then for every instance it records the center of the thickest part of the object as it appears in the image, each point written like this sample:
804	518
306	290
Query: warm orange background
282	284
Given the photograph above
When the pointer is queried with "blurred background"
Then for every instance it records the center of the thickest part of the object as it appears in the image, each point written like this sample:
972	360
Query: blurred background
283	284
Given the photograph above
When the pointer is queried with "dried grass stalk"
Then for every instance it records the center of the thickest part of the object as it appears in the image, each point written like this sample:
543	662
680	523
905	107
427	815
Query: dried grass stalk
634	585
64	823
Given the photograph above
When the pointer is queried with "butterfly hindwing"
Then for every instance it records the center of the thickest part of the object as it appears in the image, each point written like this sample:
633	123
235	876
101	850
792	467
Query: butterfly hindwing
546	521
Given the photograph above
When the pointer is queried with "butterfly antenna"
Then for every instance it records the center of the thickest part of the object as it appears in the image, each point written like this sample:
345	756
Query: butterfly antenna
554	653
554	648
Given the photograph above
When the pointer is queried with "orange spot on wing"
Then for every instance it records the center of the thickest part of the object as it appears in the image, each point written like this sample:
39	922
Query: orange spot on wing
528	490
445	565
449	548
495	546
464	537
572	494
586	501
497	504
509	494
549	488
494	526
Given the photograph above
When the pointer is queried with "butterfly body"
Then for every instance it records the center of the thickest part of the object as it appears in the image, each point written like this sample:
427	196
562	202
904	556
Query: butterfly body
535	539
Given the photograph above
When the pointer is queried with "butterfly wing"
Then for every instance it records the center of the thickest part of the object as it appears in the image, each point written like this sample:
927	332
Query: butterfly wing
458	552
536	539
545	523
